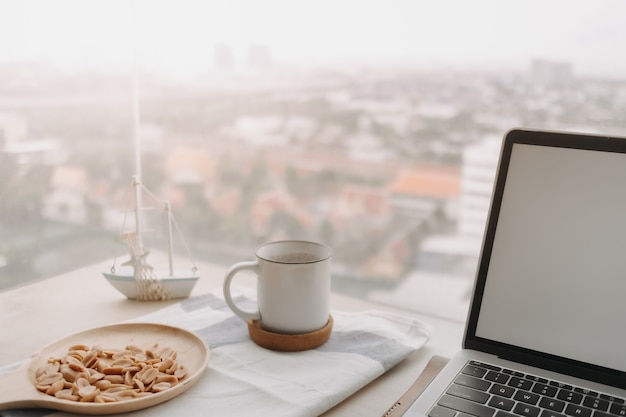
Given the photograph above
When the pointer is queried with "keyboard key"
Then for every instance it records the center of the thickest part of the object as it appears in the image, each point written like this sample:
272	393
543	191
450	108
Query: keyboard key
469	407
526	397
485	365
586	392
514	373
544	389
498	377
612	398
577	411
618	409
473	370
470	381
502	390
520	383
438	411
550	413
569	396
501	403
526	410
468	393
596	403
501	413
552	404
561	385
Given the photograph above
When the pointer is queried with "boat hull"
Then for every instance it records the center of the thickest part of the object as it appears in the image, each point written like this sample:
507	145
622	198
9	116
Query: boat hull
178	286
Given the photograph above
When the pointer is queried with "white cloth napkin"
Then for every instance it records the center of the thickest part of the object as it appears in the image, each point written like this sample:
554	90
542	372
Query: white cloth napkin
244	379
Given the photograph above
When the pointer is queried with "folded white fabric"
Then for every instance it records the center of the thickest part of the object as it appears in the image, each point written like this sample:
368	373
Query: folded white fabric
244	379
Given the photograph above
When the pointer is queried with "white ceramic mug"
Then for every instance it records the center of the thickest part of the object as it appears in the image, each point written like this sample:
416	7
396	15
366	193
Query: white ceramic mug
293	286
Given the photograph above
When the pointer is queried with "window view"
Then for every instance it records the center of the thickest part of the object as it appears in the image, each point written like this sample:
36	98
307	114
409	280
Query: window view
372	126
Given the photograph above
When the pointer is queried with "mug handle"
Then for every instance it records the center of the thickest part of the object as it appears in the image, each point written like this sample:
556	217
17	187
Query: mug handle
252	266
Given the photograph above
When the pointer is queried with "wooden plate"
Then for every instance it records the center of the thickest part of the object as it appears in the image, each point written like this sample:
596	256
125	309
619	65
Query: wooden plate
17	389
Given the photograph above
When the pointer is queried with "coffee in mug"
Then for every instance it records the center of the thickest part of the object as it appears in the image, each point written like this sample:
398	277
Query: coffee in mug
293	286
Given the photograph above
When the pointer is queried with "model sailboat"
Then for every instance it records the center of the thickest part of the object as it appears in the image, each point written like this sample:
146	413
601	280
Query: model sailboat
139	280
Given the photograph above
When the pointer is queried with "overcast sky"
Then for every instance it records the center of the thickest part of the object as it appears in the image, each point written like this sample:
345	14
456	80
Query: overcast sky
182	33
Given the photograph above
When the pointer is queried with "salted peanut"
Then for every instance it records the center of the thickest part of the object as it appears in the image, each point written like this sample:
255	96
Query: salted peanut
102	384
53	360
134	349
171	379
153	361
101	364
42	388
104	398
88	394
95	376
52	367
128	379
114	379
150	354
133	369
69	359
167	353
108	353
77	354
147	375
161	386
140	357
85	374
181	372
78	347
140	385
121	354
42	370
49	378
68	373
82	382
116	388
108	398
56	387
75	366
113	370
166	364
128	393
122	362
172	368
90	358
67	395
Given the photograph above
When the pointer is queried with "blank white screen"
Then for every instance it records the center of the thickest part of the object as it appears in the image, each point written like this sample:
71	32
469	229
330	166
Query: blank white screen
556	280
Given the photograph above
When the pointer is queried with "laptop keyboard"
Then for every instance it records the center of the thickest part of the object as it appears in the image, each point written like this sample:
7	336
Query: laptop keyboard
484	390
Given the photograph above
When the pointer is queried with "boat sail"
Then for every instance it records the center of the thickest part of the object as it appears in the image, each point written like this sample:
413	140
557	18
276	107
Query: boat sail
137	279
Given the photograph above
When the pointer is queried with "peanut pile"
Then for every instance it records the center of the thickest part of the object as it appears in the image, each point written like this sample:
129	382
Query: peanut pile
94	374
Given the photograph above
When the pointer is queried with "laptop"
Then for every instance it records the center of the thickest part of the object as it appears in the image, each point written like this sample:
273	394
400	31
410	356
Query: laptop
546	329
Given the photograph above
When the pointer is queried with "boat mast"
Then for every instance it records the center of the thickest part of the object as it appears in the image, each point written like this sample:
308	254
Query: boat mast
170	243
136	139
137	189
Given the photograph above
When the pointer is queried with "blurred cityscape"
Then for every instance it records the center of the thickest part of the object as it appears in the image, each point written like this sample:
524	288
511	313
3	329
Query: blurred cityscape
391	168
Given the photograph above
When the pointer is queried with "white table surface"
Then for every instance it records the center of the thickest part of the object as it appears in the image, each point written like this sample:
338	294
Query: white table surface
36	314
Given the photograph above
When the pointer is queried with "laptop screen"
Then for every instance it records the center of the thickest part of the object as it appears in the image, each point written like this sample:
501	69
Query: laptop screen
552	279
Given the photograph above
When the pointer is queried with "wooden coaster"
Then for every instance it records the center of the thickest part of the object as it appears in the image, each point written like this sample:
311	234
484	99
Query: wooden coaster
289	342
